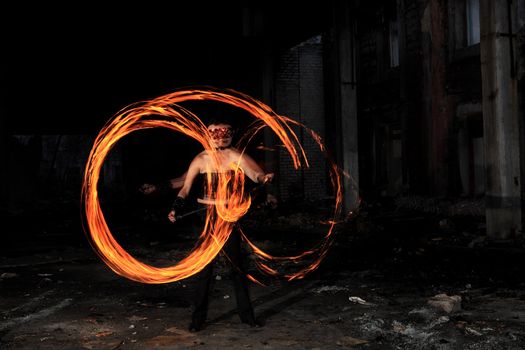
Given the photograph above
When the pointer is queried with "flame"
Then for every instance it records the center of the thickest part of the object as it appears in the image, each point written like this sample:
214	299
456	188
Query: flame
233	203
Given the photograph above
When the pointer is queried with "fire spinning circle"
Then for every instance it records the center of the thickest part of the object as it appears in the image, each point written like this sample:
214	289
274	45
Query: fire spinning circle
166	112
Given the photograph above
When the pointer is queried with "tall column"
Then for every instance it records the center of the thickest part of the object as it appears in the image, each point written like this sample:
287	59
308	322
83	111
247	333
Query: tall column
347	111
501	117
521	91
3	142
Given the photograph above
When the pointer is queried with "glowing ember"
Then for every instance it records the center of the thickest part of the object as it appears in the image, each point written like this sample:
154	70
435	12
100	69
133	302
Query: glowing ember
165	112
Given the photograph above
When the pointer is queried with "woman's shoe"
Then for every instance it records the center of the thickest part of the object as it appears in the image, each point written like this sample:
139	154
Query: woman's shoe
195	326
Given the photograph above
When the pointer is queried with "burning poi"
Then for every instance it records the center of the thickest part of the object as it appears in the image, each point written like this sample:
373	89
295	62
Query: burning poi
166	112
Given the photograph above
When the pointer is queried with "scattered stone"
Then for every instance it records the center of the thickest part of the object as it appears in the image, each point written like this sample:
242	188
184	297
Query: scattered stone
357	300
360	301
7	275
445	302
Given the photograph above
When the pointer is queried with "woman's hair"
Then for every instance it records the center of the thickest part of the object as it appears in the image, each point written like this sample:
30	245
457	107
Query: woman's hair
220	119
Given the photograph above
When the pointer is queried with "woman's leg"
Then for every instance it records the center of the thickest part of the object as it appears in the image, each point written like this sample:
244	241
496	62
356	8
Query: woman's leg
202	284
232	249
201	299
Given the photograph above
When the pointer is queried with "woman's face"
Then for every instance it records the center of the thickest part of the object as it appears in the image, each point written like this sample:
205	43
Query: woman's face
221	135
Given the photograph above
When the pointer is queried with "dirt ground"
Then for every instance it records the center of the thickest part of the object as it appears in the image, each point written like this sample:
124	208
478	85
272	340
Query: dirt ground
393	279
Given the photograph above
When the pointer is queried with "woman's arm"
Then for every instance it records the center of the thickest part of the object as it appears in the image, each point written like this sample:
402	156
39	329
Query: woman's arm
192	172
253	170
171	184
179	181
257	174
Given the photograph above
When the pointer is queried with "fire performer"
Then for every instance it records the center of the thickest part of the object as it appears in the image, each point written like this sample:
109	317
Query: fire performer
200	170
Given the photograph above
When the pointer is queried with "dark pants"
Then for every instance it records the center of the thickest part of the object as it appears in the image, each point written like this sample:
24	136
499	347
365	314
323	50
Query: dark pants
233	253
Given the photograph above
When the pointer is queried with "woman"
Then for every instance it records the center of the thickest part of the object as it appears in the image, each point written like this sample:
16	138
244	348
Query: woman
221	133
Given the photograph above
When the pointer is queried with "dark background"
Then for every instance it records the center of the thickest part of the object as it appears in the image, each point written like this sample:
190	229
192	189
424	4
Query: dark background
68	68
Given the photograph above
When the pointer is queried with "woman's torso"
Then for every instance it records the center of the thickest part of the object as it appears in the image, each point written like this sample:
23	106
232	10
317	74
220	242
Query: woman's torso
208	178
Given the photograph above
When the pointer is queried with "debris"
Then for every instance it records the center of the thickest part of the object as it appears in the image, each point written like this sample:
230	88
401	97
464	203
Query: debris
371	325
6	275
117	346
173	340
445	302
398	327
472	331
179	331
477	241
409	331
103	334
93	320
441	320
218	277
425	314
358	300
329	289
445	224
350	341
136	318
226	296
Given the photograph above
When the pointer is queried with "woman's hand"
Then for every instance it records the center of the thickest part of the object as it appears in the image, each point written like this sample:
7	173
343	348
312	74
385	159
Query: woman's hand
263	179
171	216
178	205
147	189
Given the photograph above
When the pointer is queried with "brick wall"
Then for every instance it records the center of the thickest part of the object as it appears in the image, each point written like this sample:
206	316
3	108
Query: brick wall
299	91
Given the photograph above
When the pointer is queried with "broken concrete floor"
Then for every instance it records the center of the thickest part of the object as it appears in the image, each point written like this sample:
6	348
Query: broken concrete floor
372	292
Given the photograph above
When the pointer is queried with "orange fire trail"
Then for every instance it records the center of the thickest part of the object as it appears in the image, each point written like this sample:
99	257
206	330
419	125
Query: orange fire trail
165	112
317	254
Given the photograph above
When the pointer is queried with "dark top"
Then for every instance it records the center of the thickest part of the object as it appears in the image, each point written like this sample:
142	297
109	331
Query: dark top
201	182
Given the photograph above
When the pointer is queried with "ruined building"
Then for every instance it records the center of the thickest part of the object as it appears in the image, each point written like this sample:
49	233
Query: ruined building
412	97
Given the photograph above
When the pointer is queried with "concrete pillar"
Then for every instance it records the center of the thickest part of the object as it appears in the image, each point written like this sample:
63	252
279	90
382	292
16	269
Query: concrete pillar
347	111
3	148
498	19
404	86
521	91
